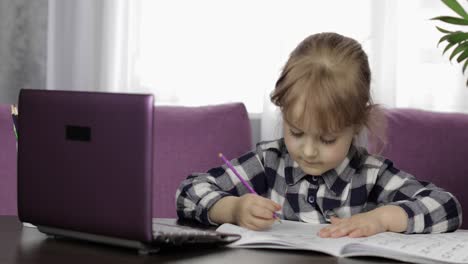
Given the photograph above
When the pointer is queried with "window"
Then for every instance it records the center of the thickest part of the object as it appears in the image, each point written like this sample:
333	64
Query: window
425	78
210	52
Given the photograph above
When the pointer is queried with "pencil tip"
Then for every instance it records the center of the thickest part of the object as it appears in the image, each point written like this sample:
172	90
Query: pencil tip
220	154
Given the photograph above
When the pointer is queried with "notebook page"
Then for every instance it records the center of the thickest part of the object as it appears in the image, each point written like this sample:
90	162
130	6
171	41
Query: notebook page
287	235
443	248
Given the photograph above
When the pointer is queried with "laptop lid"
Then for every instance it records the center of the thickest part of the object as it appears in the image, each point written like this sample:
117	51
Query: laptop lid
85	162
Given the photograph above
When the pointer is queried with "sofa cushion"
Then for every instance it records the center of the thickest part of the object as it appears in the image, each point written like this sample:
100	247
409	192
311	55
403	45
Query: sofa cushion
432	146
187	140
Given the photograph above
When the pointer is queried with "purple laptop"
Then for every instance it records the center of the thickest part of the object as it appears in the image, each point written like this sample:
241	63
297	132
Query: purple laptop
85	169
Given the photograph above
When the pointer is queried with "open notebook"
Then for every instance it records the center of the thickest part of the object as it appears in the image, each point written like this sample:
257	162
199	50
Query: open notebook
85	170
417	248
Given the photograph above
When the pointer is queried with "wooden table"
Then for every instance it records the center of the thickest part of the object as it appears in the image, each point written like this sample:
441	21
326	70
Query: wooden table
20	244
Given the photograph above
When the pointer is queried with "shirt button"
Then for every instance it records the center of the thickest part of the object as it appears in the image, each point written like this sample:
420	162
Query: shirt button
311	199
314	178
329	214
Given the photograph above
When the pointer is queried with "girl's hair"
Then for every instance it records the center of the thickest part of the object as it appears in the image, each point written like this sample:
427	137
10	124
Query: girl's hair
328	76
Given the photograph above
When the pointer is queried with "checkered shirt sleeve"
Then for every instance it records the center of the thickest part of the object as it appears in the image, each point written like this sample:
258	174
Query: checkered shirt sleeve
430	209
200	191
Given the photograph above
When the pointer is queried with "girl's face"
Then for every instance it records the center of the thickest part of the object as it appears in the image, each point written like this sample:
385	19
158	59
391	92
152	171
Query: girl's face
317	153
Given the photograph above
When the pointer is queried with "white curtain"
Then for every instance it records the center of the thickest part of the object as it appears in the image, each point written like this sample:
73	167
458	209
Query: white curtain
208	51
409	69
383	57
92	45
213	51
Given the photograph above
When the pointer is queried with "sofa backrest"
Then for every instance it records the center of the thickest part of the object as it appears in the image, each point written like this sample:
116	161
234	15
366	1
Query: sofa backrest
432	146
187	140
8	204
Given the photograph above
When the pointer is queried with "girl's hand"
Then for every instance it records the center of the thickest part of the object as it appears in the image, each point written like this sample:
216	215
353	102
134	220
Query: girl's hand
359	225
255	212
387	218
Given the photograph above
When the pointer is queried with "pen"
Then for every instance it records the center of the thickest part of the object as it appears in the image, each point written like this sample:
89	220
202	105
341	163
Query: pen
242	180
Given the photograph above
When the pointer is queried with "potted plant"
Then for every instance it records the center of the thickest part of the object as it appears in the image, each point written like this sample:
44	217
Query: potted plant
457	39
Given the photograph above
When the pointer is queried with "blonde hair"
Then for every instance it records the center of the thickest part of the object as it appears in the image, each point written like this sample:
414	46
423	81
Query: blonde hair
329	75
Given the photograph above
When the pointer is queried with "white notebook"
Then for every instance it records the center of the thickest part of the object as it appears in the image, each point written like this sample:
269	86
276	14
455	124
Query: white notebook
415	248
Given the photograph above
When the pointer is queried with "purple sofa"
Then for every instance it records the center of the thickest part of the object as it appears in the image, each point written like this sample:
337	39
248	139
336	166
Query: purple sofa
187	139
432	146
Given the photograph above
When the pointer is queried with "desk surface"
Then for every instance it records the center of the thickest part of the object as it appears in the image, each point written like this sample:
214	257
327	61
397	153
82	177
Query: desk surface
20	244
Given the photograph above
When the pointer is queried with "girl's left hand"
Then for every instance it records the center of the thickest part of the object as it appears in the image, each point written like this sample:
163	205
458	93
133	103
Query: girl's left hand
359	225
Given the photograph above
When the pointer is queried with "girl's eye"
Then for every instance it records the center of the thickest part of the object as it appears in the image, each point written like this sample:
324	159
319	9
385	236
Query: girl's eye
296	133
328	141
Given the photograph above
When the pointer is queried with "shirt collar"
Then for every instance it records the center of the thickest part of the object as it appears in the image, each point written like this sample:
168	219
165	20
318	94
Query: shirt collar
336	179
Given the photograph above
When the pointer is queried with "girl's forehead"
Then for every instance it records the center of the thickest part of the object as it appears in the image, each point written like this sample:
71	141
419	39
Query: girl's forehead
302	123
300	117
315	131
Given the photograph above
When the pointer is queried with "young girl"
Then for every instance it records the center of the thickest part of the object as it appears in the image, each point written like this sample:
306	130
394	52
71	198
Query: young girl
317	173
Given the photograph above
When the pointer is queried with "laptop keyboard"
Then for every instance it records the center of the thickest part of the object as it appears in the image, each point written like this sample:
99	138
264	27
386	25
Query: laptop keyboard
173	230
173	234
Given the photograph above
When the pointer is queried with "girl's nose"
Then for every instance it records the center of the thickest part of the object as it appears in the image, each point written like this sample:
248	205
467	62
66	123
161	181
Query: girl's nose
310	149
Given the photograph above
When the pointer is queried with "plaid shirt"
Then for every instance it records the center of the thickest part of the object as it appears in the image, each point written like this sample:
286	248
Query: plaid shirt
359	184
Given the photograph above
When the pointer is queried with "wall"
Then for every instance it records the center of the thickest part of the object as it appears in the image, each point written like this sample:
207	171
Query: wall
255	123
23	47
23	51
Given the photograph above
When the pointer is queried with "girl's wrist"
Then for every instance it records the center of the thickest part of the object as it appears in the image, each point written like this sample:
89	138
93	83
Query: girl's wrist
393	218
235	210
224	210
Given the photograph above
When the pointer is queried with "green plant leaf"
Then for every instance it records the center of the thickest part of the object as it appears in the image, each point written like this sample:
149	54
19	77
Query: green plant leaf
457	37
463	56
461	48
448	47
452	20
443	30
442	39
455	6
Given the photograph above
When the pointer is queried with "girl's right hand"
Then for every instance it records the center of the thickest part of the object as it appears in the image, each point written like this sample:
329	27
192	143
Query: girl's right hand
255	212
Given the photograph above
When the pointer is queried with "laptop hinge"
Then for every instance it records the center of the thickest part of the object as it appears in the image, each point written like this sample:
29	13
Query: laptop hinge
143	249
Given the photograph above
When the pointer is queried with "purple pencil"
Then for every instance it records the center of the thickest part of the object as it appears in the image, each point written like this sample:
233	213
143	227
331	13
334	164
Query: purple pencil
242	179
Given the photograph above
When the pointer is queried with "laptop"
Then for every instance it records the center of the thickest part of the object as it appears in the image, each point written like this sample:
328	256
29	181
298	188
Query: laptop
85	170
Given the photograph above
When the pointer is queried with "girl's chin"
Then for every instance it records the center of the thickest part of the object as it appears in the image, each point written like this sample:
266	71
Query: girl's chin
313	171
